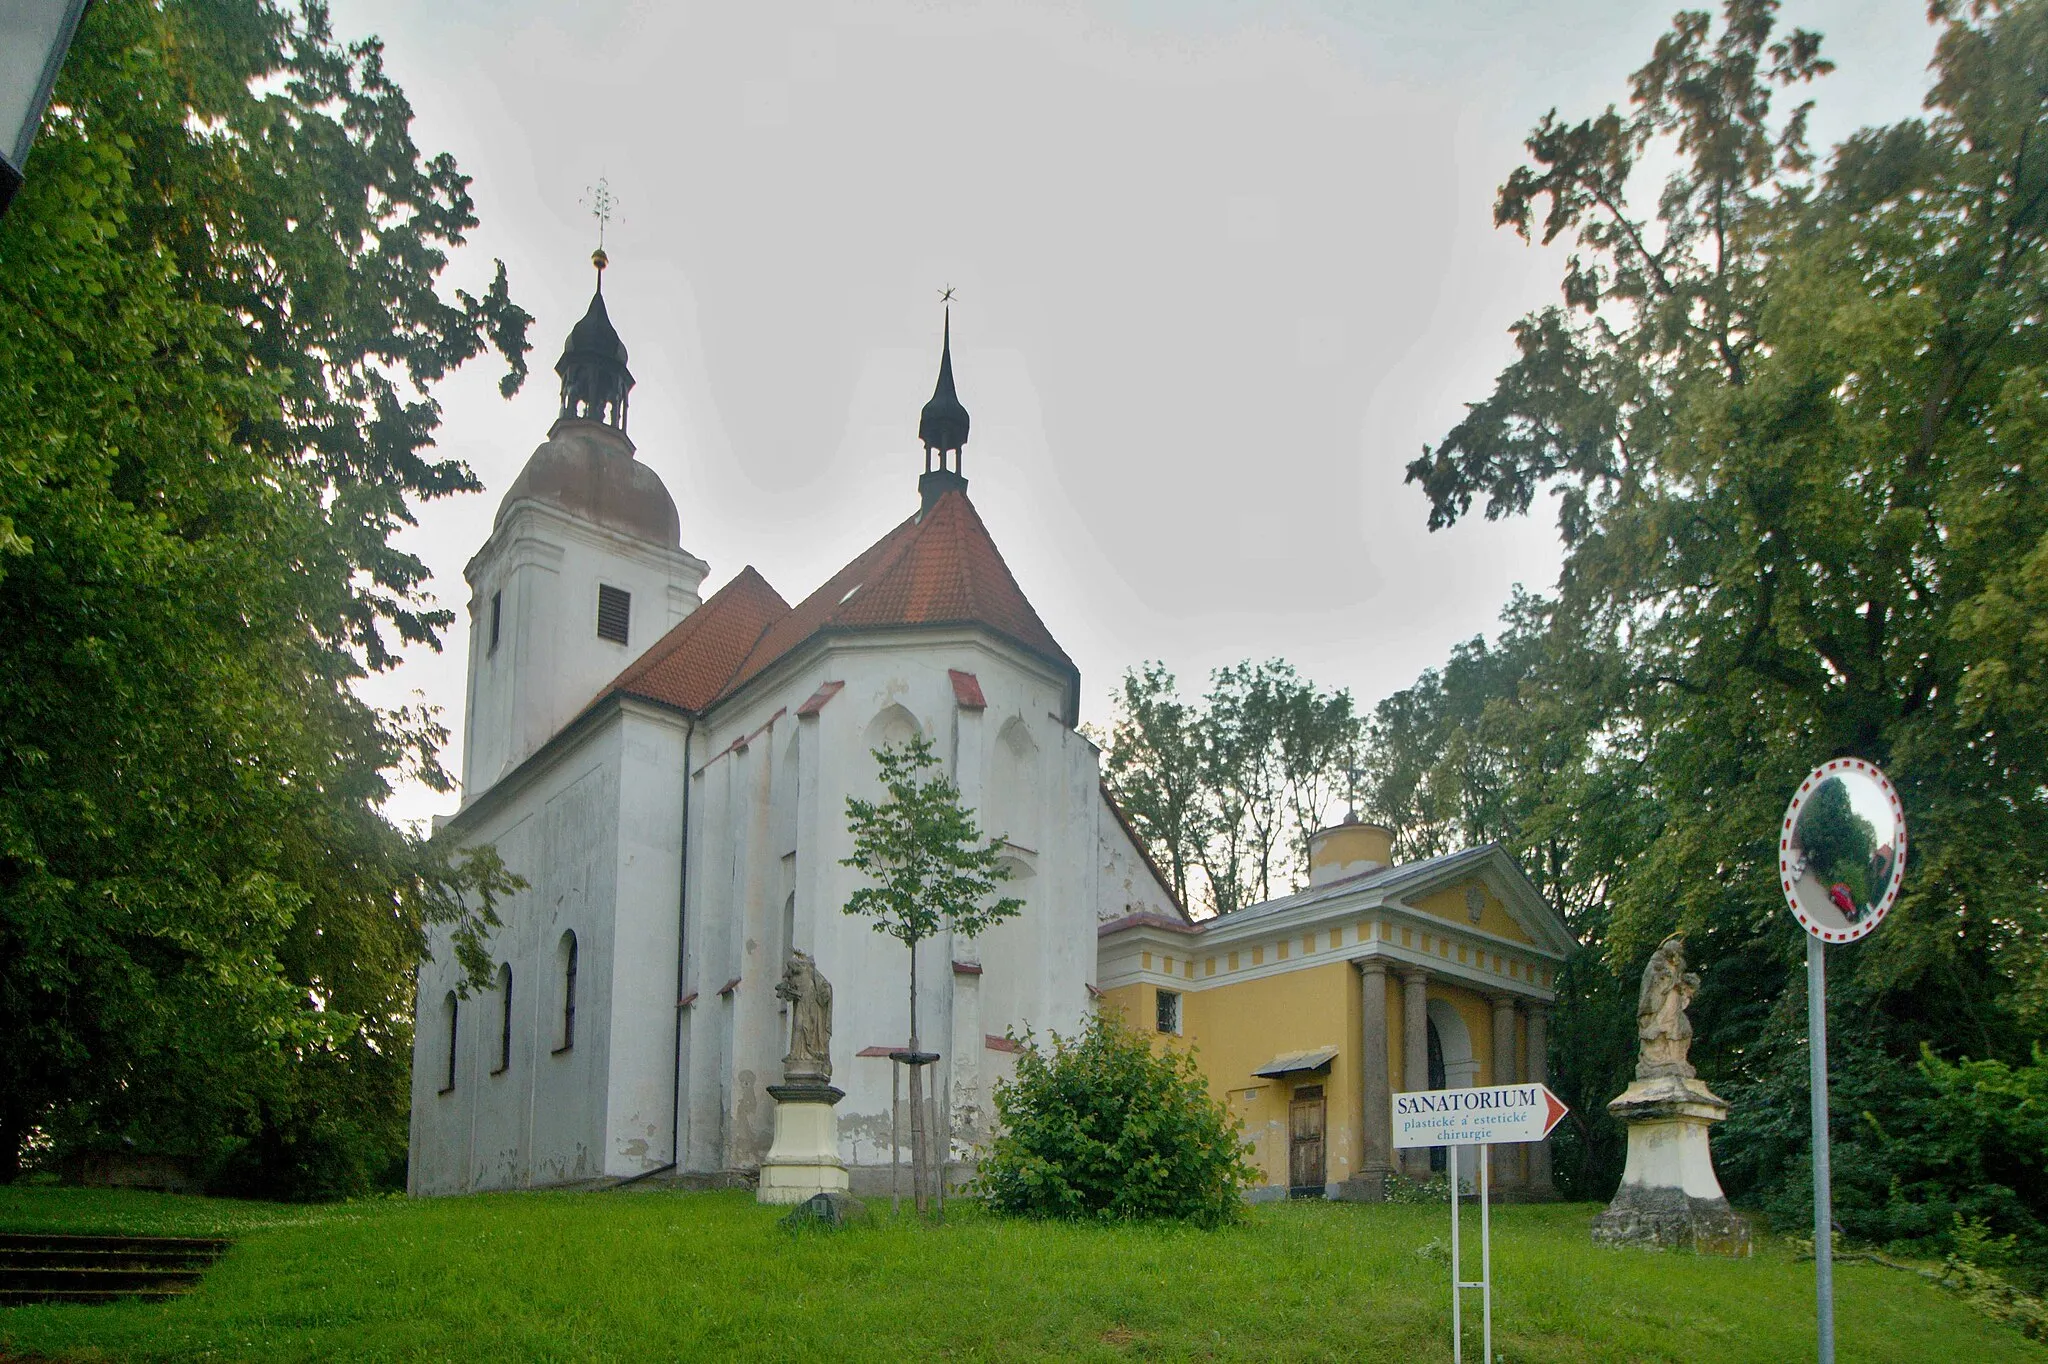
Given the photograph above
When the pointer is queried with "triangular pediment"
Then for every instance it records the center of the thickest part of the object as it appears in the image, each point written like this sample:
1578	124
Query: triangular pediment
1525	915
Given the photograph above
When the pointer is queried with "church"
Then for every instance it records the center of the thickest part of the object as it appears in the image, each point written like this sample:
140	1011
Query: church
668	772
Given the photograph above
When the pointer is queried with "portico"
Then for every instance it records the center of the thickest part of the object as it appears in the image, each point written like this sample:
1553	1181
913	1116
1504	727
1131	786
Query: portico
1308	1013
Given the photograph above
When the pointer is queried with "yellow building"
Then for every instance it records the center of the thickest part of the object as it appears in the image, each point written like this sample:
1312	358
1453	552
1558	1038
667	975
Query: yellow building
1308	1013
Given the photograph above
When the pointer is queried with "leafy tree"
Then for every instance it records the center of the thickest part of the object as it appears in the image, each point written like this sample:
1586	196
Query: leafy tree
1241	761
1232	787
1792	413
931	869
1154	770
1104	1128
1319	735
219	322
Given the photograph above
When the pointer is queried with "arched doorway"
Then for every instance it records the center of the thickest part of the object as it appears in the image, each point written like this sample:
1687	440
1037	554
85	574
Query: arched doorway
1452	1065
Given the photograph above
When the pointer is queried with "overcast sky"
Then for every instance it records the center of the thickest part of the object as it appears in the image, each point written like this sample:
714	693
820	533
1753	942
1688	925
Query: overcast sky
1222	270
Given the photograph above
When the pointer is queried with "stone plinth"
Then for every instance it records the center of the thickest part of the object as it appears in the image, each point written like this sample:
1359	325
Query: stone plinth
804	1161
1669	1196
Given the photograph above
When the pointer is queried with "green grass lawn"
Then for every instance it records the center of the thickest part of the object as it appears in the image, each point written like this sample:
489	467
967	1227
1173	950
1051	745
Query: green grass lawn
653	1276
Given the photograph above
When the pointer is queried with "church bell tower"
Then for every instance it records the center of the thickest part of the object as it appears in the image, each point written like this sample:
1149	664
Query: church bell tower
583	570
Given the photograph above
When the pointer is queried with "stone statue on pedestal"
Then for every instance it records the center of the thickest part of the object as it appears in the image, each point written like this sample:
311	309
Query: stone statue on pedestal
1661	1024
810	1021
804	1161
1669	1195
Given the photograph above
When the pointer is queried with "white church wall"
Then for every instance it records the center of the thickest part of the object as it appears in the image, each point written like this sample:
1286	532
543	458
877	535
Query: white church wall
758	1046
705	934
542	1119
499	1100
1126	883
768	815
640	1115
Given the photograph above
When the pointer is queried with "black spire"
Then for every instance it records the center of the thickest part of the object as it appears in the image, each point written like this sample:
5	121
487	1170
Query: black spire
942	426
595	379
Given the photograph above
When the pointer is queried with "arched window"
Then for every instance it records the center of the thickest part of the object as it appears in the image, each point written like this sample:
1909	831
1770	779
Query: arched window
892	728
504	1019
565	958
448	1005
1010	806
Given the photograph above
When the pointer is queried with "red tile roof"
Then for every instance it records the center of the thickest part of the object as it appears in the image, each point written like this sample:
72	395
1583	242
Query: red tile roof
818	699
940	568
967	690
691	664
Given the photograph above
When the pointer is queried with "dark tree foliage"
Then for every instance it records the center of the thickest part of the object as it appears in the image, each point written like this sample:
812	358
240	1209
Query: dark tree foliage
218	324
1793	416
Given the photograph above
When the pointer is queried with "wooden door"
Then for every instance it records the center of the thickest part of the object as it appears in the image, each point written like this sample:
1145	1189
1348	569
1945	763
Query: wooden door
1305	1171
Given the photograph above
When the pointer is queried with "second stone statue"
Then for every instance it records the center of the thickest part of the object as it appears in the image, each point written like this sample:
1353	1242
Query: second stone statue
804	1161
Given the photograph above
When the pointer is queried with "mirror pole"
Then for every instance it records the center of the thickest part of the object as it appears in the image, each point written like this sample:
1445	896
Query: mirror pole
1823	1211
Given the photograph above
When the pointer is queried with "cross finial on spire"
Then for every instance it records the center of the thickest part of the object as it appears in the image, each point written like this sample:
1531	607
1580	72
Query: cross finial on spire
602	203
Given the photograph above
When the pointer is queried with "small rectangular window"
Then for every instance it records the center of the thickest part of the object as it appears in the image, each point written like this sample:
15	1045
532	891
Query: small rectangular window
1169	1011
497	612
614	613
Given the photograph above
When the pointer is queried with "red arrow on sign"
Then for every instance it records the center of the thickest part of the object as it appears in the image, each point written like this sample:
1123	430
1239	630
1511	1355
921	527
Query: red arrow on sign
1556	1112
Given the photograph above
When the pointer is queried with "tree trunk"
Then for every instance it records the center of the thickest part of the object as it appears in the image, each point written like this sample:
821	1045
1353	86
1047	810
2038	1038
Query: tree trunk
918	1154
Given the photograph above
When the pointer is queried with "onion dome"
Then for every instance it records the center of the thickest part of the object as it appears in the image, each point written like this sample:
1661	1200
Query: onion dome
942	426
595	380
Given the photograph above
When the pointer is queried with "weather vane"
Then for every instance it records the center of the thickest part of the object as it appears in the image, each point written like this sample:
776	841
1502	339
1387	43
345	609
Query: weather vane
599	198
946	294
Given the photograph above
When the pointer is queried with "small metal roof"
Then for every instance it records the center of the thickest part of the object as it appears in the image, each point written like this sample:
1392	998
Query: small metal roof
1295	1062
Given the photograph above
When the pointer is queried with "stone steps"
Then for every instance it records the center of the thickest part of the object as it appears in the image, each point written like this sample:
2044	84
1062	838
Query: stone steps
41	1268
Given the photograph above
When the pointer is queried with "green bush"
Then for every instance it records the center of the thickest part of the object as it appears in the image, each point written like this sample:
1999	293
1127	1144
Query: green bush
1939	1158
1103	1127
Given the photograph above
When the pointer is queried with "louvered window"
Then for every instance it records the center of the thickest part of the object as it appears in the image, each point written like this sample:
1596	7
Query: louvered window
614	613
497	612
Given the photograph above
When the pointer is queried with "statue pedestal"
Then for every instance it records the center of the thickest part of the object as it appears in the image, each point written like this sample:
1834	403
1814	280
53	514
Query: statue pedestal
804	1161
1669	1197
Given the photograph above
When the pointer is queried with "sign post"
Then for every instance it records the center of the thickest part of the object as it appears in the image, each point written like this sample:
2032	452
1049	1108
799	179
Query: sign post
1841	859
1482	1118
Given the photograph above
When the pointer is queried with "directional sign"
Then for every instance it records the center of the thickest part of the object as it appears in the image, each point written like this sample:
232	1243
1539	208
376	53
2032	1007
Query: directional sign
1475	1117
